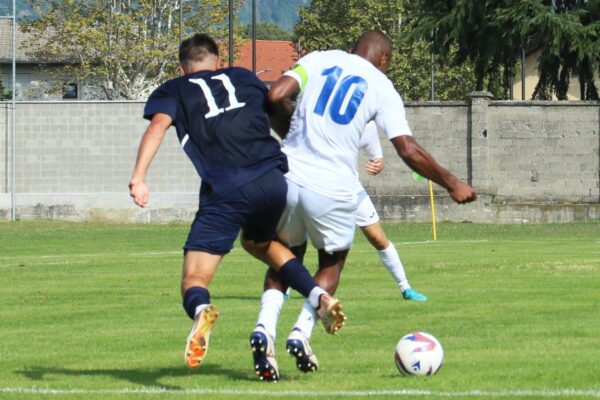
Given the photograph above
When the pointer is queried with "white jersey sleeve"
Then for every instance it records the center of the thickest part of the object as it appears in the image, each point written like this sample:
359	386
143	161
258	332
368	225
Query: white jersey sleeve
339	94
369	142
391	116
300	70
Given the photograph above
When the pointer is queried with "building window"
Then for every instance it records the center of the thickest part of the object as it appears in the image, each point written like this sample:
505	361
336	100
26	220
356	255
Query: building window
70	91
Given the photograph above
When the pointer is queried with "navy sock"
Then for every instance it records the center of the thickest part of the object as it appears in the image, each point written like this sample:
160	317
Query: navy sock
294	274
194	297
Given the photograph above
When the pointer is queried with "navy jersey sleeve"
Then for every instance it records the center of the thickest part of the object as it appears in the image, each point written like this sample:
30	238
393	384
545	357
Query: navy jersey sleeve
161	101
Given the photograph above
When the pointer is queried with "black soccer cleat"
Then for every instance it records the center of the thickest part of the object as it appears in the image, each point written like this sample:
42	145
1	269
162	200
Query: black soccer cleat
299	348
263	353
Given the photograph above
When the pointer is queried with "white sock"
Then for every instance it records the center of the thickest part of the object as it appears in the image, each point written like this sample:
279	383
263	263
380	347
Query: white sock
271	303
199	309
314	296
306	320
391	260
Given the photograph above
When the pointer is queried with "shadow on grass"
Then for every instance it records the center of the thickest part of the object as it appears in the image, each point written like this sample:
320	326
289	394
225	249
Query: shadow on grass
143	377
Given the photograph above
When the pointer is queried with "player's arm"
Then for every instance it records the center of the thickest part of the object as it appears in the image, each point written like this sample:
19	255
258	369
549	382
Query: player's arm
419	160
149	145
280	103
374	166
370	145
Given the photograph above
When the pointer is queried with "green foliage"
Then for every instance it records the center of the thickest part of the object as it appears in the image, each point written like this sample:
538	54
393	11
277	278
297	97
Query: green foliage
4	95
491	34
124	48
266	31
327	24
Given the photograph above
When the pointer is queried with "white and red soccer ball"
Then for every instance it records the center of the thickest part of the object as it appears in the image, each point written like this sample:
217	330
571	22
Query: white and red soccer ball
419	353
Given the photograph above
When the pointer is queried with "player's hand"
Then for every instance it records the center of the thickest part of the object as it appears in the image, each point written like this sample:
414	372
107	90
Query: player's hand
139	192
375	166
462	193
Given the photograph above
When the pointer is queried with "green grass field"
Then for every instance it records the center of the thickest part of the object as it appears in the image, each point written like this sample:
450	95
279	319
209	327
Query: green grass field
94	311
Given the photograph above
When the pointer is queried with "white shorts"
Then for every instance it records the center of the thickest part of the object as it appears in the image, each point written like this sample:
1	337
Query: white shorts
329	223
366	214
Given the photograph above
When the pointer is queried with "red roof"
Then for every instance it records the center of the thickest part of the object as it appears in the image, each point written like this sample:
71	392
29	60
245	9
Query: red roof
273	58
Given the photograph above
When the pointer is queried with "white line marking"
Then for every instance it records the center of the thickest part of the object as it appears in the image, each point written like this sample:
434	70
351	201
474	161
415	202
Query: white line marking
310	393
235	254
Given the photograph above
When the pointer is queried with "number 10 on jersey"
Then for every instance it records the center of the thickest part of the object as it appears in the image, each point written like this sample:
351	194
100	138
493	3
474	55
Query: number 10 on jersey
341	95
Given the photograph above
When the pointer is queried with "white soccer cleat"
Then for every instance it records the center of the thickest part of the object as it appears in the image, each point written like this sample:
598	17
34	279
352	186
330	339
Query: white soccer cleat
299	348
197	341
331	314
263	354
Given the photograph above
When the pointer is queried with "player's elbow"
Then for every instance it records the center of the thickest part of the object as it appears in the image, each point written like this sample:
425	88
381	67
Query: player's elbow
406	147
282	89
276	94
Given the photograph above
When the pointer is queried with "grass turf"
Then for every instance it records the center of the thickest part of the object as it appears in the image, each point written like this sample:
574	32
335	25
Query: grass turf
93	311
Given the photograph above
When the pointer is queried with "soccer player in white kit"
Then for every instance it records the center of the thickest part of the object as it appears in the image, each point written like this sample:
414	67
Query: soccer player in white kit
367	218
339	94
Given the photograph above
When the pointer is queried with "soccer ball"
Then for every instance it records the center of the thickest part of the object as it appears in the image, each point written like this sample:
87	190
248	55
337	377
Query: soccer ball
419	353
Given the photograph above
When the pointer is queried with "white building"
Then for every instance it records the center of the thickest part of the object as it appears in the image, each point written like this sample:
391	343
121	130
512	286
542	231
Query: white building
31	82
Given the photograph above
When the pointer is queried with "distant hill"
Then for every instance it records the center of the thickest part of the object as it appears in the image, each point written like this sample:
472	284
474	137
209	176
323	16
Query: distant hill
23	8
280	12
283	13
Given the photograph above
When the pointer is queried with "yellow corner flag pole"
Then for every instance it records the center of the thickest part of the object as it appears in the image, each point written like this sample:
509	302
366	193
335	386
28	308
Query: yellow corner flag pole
432	210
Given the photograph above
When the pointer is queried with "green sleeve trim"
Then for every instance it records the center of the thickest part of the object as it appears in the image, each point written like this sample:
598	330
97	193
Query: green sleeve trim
299	69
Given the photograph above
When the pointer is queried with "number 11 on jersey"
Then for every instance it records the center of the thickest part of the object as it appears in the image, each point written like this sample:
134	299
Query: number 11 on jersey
213	108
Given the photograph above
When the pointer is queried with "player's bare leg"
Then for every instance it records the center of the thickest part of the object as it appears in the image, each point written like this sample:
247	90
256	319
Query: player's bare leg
262	339
198	270
391	259
277	256
298	342
376	236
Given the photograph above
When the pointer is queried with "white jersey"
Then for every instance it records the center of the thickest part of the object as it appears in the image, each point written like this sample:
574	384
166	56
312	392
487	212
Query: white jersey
371	146
369	142
340	94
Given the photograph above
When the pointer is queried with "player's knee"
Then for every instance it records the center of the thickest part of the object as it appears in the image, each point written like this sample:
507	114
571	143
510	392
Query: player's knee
299	251
334	259
256	249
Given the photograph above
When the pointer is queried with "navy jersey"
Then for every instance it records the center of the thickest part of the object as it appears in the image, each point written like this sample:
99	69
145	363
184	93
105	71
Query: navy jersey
222	124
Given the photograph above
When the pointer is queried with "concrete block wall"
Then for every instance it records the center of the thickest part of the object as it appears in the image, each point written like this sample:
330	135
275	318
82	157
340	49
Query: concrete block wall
74	160
529	162
546	153
441	128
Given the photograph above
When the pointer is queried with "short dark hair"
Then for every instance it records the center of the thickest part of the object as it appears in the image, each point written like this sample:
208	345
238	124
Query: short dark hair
196	48
374	39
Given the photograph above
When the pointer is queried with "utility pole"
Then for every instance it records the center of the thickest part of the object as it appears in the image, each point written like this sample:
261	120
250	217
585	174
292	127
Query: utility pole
254	36
230	33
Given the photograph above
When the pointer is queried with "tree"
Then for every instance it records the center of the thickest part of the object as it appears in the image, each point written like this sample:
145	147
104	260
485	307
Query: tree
329	24
490	34
266	32
4	95
125	48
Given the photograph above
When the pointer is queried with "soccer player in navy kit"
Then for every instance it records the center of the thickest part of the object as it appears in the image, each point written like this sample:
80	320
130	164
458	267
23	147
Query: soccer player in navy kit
222	124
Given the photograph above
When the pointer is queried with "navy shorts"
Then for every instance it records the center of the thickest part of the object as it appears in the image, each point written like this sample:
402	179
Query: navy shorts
254	207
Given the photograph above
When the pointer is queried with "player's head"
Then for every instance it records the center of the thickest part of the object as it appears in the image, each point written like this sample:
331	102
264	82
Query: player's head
375	47
198	53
